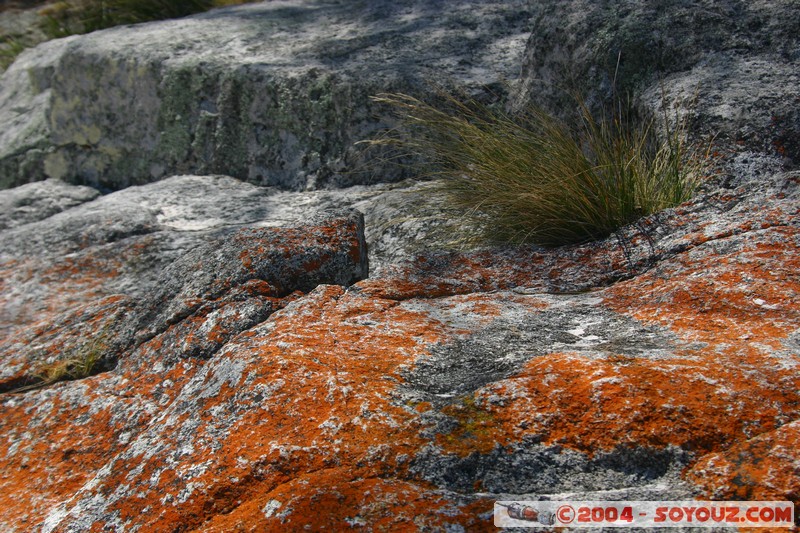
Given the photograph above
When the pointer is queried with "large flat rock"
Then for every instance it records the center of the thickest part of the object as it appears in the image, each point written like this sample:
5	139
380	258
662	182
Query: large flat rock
62	244
236	393
275	93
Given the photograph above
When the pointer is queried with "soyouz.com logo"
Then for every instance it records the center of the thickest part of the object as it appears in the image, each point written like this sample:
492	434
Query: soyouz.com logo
643	514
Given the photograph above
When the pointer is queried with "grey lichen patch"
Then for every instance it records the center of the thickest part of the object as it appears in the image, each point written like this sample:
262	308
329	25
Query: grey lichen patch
57	166
571	324
236	97
101	123
184	115
303	126
253	126
528	467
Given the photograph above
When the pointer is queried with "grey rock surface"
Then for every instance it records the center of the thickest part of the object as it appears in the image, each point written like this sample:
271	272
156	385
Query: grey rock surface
26	93
128	237
40	200
601	370
19	27
598	370
221	287
743	103
733	64
274	93
282	260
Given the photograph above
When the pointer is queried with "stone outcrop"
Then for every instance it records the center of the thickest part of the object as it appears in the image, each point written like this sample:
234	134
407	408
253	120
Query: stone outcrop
40	200
732	64
257	383
135	233
275	93
223	285
254	368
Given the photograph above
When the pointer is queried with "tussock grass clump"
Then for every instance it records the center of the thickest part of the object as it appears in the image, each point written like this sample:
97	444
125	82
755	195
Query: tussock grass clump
78	367
535	179
82	363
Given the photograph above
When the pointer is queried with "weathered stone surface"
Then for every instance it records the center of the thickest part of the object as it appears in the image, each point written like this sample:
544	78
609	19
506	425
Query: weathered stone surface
248	381
121	242
101	326
37	201
220	287
19	27
265	261
275	93
763	468
734	63
644	366
25	93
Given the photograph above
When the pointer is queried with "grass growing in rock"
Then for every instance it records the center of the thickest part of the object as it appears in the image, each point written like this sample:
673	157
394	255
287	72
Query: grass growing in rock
10	48
79	366
535	179
84	362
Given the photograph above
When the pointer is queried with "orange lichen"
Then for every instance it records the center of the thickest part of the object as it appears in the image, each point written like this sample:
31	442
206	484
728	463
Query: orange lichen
593	405
486	271
329	381
764	468
297	422
332	499
744	298
247	259
60	285
487	306
727	386
55	459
